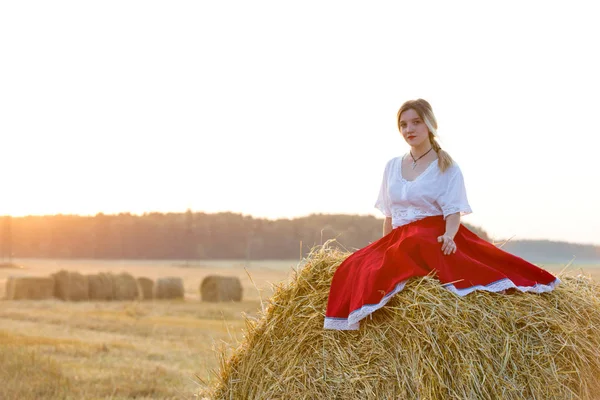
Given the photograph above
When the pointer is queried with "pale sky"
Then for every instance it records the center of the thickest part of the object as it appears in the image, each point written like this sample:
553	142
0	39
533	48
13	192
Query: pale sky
281	109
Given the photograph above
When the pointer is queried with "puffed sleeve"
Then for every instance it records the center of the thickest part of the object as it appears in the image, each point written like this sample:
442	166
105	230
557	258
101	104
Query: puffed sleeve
453	198
383	202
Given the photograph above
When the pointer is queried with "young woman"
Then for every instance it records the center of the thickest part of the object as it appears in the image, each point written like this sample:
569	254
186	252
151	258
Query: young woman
422	197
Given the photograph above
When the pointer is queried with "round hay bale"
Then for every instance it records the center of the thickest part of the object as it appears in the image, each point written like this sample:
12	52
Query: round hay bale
215	288
101	287
31	288
61	285
426	343
146	286
70	286
9	288
125	287
169	288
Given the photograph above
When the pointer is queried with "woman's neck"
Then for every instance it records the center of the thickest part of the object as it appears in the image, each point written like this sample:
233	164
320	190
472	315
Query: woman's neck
418	151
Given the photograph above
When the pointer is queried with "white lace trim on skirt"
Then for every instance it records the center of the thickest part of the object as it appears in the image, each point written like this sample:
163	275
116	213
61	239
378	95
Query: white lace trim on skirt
353	321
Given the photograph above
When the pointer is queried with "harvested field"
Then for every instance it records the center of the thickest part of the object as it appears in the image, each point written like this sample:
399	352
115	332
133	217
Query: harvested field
130	349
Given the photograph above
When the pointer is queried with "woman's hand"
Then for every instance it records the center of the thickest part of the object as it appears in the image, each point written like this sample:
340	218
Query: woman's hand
448	245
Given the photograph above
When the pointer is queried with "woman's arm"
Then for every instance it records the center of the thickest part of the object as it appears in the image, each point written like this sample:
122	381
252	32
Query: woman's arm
452	224
447	239
387	225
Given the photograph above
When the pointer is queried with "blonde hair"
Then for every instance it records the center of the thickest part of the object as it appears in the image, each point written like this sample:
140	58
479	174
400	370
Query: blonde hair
425	112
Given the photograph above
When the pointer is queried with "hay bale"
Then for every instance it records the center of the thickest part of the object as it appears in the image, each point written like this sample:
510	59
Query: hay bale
426	343
125	287
30	288
9	288
169	288
101	287
215	288
61	285
70	286
146	286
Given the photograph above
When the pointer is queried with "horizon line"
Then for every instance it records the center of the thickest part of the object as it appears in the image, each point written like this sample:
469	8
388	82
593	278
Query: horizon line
140	214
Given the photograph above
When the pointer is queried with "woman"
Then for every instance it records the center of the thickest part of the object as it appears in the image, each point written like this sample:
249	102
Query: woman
422	197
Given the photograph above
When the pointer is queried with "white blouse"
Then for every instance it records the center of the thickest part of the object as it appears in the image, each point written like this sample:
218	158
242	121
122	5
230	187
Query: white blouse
431	193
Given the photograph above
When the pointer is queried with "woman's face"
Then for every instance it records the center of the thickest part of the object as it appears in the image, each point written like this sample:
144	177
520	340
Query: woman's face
413	128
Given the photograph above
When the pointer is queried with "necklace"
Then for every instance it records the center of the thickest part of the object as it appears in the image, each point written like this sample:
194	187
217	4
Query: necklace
414	165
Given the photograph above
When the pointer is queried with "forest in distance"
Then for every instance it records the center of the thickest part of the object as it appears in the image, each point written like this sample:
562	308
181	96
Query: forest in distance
203	236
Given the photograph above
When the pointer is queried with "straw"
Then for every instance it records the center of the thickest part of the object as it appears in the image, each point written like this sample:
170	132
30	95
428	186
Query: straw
426	343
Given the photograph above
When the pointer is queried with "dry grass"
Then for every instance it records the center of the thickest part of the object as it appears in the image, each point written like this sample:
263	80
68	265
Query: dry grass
26	374
427	343
122	350
53	349
114	350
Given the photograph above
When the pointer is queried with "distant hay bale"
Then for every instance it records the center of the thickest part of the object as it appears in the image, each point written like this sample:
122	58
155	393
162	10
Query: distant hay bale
426	343
125	287
30	288
169	288
9	288
215	288
61	285
146	286
101	286
70	286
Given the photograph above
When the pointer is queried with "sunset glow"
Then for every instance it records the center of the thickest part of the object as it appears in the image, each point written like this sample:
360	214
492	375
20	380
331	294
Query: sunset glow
279	110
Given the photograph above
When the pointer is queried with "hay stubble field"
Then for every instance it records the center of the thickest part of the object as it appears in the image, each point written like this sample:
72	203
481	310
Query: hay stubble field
124	349
133	349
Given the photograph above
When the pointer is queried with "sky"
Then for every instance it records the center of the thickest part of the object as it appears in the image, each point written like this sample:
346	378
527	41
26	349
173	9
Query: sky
281	109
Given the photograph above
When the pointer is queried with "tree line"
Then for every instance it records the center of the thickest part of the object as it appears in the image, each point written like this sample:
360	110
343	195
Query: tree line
189	235
197	236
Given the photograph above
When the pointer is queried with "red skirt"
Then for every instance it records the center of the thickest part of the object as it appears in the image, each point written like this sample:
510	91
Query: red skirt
368	278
